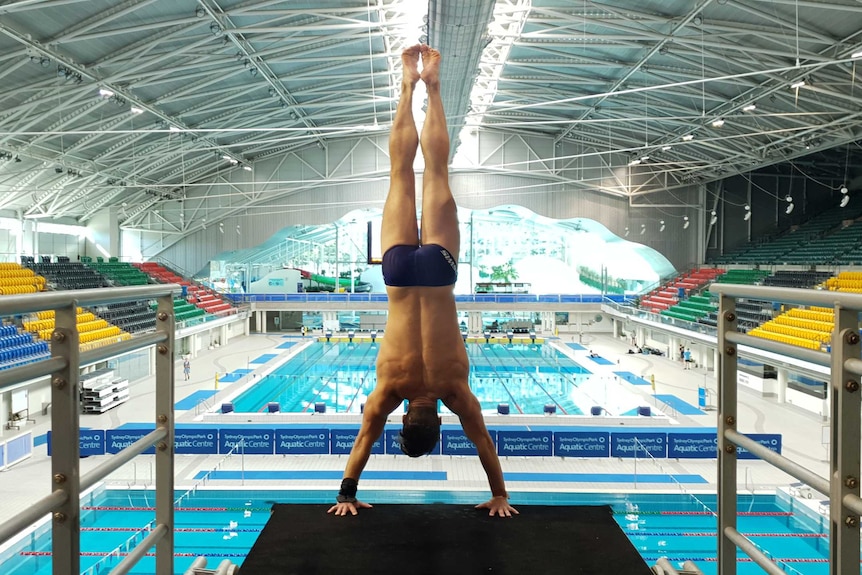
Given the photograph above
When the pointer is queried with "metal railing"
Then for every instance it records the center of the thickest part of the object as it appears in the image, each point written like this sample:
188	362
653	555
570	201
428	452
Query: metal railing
844	392
64	369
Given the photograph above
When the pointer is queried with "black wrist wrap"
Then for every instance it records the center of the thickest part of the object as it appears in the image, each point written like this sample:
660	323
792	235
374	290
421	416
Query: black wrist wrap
347	493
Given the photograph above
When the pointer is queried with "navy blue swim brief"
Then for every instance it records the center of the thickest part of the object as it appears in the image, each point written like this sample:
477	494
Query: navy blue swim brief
428	265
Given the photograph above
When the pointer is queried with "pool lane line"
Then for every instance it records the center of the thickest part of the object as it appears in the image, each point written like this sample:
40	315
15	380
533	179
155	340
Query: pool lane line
714	533
176	529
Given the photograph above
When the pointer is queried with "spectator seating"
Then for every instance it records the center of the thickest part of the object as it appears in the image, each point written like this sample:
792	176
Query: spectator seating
119	273
15	279
668	295
809	328
796	278
132	316
196	294
69	275
691	309
92	331
18	348
846	282
742	276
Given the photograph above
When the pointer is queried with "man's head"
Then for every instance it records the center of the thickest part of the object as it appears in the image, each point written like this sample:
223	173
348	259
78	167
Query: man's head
421	430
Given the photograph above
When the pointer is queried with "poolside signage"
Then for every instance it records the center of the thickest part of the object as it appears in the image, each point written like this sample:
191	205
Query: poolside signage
341	442
92	442
582	444
118	439
247	441
525	443
692	445
768	440
455	442
639	444
302	441
199	441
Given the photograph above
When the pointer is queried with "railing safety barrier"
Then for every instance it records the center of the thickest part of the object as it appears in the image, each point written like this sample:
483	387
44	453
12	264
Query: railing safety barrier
64	369
844	393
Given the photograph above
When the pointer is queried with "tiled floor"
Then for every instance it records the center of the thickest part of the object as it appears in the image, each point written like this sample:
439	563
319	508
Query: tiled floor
24	483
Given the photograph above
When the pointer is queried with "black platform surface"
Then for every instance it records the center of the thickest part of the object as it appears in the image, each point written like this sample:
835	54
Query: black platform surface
443	539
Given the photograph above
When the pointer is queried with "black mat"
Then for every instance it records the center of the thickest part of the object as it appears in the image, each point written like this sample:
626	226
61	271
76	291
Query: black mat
443	539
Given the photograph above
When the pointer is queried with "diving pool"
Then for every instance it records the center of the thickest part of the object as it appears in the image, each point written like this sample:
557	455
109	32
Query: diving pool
224	524
341	375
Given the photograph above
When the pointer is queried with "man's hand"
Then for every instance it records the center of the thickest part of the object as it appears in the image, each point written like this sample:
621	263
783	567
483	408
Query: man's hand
350	507
498	506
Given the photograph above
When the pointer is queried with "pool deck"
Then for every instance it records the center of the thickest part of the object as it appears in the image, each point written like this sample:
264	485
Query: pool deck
21	485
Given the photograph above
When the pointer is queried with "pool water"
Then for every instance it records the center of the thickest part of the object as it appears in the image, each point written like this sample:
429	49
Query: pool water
224	524
341	375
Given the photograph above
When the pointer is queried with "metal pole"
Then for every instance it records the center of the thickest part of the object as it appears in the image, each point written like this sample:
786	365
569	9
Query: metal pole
65	461
845	459
727	417
165	449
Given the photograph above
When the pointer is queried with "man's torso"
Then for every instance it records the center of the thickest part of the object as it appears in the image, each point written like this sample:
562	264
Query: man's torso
422	352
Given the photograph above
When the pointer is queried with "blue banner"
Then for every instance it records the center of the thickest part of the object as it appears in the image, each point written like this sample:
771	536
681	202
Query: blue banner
457	443
118	439
248	441
634	444
769	440
692	445
201	441
3	455
92	442
393	447
525	443
302	441
341	442
582	444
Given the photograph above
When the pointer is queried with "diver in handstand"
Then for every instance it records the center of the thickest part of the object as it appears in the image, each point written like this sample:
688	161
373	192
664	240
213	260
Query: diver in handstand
422	357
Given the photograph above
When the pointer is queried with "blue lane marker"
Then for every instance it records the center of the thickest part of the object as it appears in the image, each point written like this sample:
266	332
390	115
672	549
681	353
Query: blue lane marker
576	346
264	358
631	378
195	398
286	345
679	405
333	475
601	361
605	477
230	377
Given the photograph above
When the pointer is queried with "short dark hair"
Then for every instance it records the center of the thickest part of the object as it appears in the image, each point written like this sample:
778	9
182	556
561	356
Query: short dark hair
420	432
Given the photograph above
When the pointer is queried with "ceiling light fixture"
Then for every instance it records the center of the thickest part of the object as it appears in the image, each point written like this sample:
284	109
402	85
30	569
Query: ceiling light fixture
788	209
686	222
749	108
105	93
844	201
713	218
634	162
688	138
717	123
643	228
136	110
661	226
797	85
666	148
843	189
627	232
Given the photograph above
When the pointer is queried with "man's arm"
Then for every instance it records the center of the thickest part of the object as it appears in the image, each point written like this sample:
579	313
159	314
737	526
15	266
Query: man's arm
469	410
377	408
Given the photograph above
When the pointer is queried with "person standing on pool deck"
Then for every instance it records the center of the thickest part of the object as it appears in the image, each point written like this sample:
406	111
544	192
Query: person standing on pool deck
422	356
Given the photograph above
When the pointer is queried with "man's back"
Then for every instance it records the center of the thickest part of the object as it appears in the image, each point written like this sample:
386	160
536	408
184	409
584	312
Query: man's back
422	351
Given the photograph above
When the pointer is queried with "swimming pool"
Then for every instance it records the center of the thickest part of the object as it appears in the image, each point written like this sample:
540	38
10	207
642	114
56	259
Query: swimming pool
224	524
341	375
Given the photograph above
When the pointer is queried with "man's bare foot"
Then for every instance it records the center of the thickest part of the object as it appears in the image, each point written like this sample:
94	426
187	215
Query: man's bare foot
410	63
430	66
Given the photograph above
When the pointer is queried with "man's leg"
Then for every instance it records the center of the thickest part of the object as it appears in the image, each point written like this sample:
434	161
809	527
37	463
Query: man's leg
439	213
399	211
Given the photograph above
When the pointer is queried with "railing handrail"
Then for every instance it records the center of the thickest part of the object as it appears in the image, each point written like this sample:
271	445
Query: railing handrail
64	368
843	483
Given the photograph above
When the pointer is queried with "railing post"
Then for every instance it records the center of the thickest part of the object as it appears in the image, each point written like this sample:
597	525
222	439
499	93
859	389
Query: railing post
165	448
727	419
844	460
65	458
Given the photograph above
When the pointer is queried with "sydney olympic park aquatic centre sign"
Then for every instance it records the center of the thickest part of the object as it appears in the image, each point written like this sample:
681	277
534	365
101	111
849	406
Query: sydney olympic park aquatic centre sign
654	443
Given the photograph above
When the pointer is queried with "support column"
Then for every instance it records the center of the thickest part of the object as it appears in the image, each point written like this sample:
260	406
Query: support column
549	322
223	335
261	321
781	392
474	322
